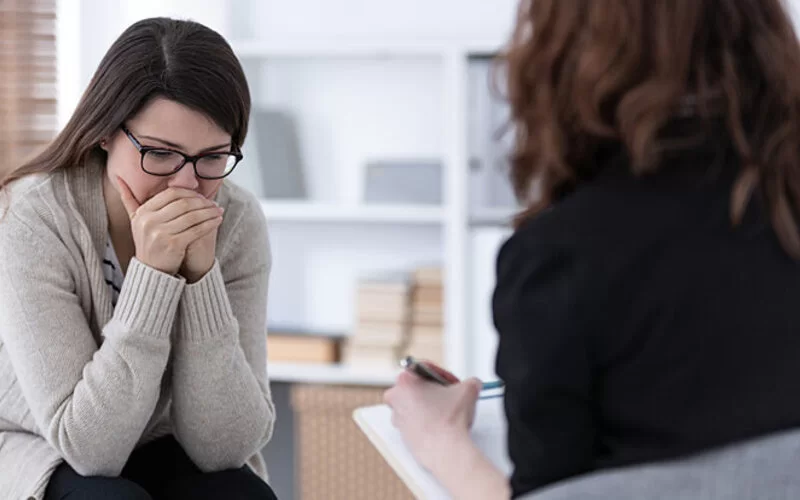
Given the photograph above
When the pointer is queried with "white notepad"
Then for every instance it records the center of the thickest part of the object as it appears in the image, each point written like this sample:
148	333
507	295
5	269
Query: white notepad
488	431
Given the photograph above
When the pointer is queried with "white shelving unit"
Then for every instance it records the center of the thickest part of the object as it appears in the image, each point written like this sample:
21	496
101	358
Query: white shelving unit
493	216
300	211
355	100
412	97
338	375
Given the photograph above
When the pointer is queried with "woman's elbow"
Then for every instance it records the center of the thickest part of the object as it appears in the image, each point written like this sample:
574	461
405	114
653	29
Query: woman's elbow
208	462
90	456
257	427
224	451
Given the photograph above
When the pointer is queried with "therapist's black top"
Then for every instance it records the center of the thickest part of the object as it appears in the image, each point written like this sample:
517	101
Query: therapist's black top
637	324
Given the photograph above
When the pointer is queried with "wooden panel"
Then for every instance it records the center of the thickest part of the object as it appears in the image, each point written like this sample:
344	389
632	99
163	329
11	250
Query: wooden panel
334	459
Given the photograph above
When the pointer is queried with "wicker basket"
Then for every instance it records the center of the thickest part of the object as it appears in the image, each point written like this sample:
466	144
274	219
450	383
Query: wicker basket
334	460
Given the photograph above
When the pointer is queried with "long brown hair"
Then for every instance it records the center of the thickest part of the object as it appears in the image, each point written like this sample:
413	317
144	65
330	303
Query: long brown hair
183	61
581	73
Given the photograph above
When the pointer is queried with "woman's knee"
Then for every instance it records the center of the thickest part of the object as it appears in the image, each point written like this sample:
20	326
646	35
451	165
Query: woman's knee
68	484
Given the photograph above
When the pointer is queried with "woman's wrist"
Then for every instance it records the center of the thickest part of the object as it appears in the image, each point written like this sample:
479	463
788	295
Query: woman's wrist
205	310
149	299
194	275
465	472
192	278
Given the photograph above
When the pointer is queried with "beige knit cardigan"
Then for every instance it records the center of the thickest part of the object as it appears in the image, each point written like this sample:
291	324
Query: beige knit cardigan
87	383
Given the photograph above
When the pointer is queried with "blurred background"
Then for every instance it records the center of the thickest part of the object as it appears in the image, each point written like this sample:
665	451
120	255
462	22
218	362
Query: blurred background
375	147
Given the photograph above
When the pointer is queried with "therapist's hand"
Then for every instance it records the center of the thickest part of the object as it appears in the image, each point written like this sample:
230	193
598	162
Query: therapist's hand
433	419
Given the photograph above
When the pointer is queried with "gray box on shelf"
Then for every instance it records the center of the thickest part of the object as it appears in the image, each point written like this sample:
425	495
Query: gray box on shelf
280	160
417	182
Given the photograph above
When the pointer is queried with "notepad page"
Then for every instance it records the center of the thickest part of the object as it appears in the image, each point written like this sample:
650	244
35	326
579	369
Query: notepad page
488	432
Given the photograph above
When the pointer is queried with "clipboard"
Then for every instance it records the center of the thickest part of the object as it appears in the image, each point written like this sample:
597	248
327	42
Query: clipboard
489	432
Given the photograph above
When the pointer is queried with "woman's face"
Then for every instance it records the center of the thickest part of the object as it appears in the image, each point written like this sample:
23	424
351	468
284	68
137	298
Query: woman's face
164	124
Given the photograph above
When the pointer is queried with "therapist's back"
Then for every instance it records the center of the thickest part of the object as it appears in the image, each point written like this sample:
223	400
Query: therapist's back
648	303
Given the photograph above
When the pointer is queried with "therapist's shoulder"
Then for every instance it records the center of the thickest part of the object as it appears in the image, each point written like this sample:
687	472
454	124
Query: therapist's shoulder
590	234
585	218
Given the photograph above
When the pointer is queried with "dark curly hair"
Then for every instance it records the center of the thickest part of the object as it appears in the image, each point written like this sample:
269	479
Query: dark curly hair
582	73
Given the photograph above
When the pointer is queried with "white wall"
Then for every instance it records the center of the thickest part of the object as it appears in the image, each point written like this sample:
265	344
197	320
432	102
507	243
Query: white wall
794	8
88	27
452	19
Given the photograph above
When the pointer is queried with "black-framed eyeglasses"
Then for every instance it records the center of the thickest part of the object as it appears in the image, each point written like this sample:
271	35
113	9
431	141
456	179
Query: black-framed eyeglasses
164	162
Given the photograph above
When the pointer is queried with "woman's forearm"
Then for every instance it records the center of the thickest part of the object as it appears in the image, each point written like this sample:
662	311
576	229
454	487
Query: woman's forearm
467	474
222	413
222	416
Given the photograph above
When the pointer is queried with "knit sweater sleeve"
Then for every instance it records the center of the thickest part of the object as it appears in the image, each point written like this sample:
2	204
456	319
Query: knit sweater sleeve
222	409
90	402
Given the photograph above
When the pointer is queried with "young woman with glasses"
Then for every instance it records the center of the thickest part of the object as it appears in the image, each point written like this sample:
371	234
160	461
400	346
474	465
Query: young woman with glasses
133	284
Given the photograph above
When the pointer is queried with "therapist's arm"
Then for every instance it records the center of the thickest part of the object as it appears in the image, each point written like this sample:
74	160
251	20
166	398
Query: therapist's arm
468	474
540	313
543	307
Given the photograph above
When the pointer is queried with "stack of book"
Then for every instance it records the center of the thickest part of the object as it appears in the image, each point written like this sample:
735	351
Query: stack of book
382	321
426	334
293	345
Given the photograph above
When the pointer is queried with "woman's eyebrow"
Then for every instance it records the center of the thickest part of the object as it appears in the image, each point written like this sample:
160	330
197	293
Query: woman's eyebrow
181	148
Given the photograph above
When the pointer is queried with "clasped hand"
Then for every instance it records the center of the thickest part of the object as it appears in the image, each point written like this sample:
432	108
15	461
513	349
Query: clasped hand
175	231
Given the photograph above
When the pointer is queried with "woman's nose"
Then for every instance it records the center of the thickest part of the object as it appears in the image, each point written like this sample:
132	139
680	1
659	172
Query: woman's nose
185	178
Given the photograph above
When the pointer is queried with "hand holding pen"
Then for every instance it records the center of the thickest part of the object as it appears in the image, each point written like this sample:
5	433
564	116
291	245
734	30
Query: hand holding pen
433	373
433	417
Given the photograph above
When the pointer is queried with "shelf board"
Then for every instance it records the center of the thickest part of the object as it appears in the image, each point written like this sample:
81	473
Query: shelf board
342	47
303	211
330	374
493	216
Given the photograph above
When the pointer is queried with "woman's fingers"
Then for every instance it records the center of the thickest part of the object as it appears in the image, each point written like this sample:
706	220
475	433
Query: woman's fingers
165	225
475	384
180	207
196	232
129	201
167	196
187	221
